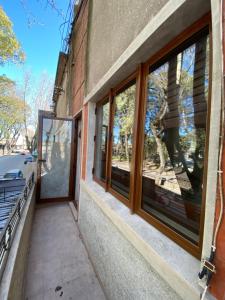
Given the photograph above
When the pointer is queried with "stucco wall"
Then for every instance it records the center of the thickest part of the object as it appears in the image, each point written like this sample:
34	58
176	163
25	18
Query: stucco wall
113	25
63	99
122	270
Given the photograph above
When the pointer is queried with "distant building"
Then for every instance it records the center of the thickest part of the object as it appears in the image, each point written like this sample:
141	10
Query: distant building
21	141
2	146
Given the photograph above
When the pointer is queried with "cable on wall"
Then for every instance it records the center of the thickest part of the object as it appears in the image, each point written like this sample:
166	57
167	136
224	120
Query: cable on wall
208	267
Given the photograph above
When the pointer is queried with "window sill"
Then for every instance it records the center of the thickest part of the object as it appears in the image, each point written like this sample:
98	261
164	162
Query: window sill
175	265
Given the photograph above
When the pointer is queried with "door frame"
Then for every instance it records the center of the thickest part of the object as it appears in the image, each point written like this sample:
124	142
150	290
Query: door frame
42	114
76	119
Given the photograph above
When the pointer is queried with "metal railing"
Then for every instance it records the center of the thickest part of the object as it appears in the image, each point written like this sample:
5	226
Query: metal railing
8	232
8	196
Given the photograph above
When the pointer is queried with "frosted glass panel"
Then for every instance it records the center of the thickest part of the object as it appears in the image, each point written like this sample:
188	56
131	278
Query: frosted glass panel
56	152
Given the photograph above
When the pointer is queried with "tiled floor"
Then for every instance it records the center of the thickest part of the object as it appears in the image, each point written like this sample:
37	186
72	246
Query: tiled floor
58	265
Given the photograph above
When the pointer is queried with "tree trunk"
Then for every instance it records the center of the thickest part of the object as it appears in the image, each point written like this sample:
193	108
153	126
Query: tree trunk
159	149
126	148
172	122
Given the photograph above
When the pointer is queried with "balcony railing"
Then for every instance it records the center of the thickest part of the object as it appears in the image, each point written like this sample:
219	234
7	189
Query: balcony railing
8	197
13	219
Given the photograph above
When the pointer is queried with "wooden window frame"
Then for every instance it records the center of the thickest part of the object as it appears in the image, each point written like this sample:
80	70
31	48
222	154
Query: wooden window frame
135	192
114	92
103	101
194	249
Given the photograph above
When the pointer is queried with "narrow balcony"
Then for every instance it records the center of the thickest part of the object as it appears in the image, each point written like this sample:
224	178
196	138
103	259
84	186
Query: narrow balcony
47	259
58	264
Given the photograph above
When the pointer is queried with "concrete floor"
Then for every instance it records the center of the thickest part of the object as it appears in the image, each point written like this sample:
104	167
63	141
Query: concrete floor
58	264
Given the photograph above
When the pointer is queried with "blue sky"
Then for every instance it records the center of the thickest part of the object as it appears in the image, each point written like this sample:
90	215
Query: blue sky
41	42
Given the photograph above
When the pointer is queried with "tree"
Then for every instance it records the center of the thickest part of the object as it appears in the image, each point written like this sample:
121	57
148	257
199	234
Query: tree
176	116
124	120
33	19
37	94
10	49
11	113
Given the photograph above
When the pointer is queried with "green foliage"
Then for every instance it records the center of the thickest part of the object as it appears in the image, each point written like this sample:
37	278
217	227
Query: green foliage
12	112
11	115
124	121
10	49
125	106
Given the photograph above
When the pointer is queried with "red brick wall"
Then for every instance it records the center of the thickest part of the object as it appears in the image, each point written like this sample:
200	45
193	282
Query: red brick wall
79	42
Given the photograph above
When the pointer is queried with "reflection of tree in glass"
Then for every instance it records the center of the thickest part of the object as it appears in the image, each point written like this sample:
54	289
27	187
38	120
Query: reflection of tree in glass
156	109
176	115
104	126
123	124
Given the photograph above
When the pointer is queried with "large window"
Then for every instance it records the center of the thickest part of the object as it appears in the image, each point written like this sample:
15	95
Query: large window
102	117
175	135
155	129
122	135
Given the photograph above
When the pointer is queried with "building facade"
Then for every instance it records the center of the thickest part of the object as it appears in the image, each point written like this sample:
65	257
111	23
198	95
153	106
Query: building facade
143	83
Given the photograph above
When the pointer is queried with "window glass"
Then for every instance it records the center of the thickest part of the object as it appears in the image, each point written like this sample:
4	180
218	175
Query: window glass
102	122
122	140
175	134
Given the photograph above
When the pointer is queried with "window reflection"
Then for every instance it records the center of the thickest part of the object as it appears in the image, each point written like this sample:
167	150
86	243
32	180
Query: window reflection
174	143
101	140
122	140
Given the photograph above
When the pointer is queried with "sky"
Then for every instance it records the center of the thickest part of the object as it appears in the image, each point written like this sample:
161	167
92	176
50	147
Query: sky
37	29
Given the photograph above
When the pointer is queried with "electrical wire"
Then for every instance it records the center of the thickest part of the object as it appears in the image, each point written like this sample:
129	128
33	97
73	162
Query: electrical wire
65	28
64	32
220	172
221	143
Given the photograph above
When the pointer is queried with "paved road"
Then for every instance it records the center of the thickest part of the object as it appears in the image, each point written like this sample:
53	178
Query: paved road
9	162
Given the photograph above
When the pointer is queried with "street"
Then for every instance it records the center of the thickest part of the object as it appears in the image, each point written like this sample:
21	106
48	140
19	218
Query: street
9	162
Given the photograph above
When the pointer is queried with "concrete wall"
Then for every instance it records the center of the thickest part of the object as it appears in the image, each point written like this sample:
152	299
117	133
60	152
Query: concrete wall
174	268
133	260
123	271
113	25
12	283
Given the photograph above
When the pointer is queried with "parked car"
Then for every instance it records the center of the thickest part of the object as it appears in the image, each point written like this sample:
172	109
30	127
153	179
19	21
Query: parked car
13	174
16	151
28	159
